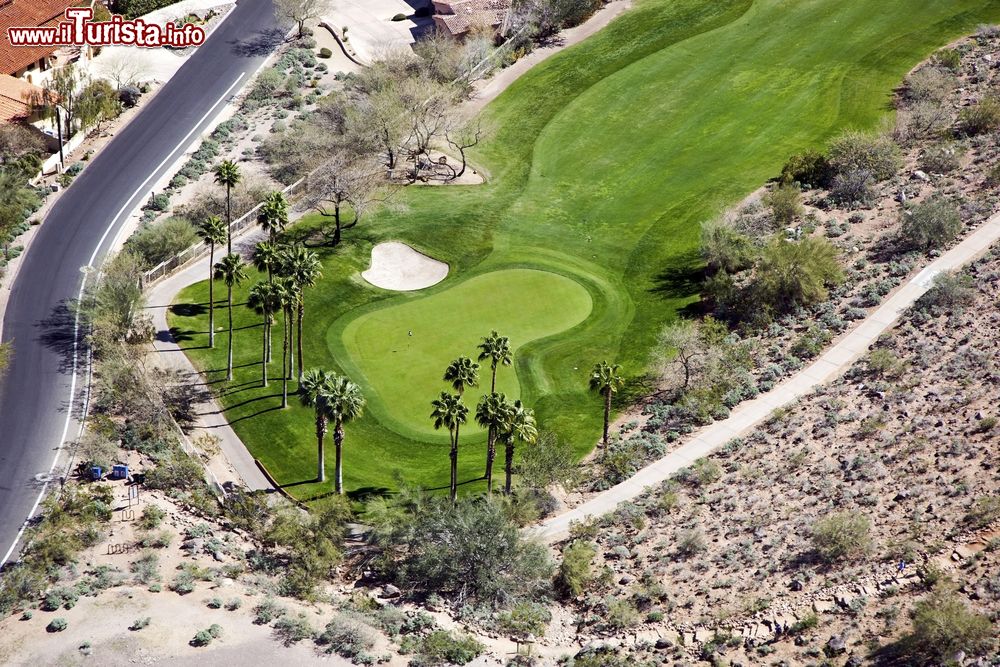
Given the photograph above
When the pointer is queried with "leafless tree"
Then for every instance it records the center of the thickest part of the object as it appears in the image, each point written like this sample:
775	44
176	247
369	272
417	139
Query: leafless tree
344	182
301	11
123	69
463	138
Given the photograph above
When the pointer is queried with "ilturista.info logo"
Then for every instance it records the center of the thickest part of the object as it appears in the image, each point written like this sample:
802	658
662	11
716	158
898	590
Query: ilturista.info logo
78	29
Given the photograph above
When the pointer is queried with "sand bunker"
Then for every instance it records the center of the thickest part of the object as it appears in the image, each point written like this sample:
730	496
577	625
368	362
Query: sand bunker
396	266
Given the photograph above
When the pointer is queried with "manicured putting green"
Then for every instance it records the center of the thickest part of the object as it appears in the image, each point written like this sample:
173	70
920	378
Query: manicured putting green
403	349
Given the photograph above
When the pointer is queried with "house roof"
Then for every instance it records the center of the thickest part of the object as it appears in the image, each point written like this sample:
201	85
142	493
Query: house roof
458	17
28	13
14	96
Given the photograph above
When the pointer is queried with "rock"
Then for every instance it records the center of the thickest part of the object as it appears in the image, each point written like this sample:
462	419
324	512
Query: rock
836	645
820	606
796	585
626	579
921	176
390	591
958	658
663	643
702	635
217	556
854	661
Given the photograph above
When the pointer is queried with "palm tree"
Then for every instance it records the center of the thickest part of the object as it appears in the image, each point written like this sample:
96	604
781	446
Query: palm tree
266	257
494	414
450	412
606	380
302	266
265	300
285	290
496	348
314	392
212	231
348	403
521	427
232	270
462	373
228	174
273	215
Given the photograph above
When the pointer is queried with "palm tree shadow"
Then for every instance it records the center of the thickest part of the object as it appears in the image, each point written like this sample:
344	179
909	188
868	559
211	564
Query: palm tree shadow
468	481
59	333
189	309
366	493
256	414
682	279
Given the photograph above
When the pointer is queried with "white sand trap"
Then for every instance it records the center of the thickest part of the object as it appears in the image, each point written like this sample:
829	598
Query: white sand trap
397	266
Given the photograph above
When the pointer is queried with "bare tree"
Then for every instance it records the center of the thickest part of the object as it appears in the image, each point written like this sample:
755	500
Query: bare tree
426	106
301	11
343	182
464	138
123	69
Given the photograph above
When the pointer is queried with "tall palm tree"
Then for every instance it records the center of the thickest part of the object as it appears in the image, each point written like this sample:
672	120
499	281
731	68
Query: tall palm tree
314	392
273	215
285	290
302	266
212	231
606	380
266	257
228	175
496	348
494	414
265	300
450	412
348	403
521	427
232	270
462	374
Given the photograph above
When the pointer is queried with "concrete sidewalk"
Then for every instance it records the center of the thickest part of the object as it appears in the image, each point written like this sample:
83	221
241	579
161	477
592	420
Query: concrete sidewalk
169	355
828	366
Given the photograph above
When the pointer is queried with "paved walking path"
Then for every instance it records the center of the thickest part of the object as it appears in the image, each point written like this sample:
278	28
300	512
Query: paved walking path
170	355
747	415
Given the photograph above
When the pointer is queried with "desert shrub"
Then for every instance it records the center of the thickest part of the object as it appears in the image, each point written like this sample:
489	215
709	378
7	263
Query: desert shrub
152	516
930	83
885	364
325	53
202	638
942	158
347	636
690	542
146	568
810	342
160	241
794	274
984	511
724	248
267	84
702	472
525	618
177	471
441	648
810	169
853	188
950	291
980	118
876	154
267	611
950	59
621	613
183	582
290	630
129	96
842	536
140	623
486	558
785	203
943	625
57	625
160	202
576	568
930	224
548	462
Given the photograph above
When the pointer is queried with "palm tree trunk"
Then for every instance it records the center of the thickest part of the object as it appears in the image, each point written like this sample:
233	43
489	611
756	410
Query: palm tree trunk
320	435
229	368
211	296
508	466
229	218
263	355
607	422
338	440
284	358
493	381
291	345
454	465
491	453
270	324
302	313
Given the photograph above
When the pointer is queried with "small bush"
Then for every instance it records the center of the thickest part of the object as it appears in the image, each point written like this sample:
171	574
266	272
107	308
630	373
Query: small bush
202	638
840	537
853	188
57	625
325	53
183	583
810	169
785	203
576	569
292	630
690	542
525	618
442	647
950	59
930	225
951	291
152	516
980	118
984	511
146	568
942	158
875	154
944	625
234	604
930	84
140	623
347	636
399	17
160	241
267	611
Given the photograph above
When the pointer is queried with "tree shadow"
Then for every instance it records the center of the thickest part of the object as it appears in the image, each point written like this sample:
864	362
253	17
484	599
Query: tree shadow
366	493
246	402
189	309
682	279
58	333
260	44
468	481
256	414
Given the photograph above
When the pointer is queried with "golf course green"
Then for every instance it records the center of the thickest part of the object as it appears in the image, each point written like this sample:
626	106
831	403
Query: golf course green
604	161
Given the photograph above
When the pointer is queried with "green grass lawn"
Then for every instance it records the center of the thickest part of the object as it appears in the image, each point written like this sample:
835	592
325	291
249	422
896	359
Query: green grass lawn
605	160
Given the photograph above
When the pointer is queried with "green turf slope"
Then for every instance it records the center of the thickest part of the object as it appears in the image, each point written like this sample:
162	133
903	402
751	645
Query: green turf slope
605	160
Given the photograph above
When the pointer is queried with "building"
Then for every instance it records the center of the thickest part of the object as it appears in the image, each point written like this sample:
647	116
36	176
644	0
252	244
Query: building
30	62
16	100
458	17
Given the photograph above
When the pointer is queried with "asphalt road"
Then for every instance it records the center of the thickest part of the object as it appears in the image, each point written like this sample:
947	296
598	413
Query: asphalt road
42	394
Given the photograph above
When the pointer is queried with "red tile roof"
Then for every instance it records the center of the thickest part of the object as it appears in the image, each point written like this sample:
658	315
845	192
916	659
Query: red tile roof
14	96
28	13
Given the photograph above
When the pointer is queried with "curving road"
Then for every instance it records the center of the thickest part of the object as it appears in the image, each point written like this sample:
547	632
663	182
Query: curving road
43	392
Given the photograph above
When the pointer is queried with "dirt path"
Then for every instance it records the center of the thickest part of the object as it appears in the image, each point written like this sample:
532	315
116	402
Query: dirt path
746	416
